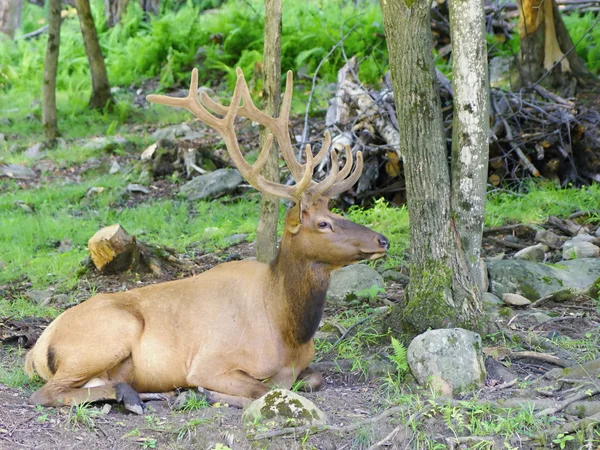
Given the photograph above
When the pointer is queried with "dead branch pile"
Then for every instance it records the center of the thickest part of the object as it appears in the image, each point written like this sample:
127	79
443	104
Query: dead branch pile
534	133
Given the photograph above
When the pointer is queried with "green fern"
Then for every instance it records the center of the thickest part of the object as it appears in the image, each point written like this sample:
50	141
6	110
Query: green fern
399	356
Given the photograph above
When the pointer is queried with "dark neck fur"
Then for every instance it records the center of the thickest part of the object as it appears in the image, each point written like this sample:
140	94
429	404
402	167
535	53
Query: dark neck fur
305	284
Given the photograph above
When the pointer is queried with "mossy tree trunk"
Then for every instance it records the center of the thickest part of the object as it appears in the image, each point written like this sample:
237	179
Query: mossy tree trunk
544	43
49	121
443	291
266	235
10	16
101	95
113	9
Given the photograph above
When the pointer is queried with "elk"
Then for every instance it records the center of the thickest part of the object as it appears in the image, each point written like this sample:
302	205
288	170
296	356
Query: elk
234	331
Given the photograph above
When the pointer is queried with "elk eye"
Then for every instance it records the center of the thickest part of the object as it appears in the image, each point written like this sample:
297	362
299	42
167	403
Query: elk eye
323	225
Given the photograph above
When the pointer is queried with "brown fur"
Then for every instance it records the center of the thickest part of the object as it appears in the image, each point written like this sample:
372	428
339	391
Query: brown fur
235	330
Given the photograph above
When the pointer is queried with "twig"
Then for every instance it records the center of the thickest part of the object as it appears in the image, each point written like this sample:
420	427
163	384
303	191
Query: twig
504	228
473	440
311	429
562	405
506	243
518	150
541	357
578	214
413	418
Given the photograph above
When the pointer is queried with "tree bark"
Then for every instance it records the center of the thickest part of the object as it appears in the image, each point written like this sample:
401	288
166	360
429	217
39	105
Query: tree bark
470	129
266	235
101	95
10	16
49	121
150	6
113	9
441	292
544	43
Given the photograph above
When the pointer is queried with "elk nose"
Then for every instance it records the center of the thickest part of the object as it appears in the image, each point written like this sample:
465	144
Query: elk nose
383	242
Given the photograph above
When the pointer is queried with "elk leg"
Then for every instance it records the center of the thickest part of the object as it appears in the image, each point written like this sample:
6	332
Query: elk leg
311	380
235	388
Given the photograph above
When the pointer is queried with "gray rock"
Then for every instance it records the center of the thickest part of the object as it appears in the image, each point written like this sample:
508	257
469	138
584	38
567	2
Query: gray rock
491	301
534	316
534	280
281	408
496	371
395	275
107	143
583	409
181	131
597	233
212	185
41	297
235	238
583	237
580	249
454	355
512	238
355	280
548	237
532	253
35	151
114	168
61	299
17	172
378	368
515	300
133	187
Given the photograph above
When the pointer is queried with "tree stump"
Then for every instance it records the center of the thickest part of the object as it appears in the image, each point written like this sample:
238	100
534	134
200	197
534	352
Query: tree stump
112	249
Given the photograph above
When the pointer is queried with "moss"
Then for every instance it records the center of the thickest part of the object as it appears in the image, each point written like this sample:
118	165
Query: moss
529	292
595	289
505	312
278	405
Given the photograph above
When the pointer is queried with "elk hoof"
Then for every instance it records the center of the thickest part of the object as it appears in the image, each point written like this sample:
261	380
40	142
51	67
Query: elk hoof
130	398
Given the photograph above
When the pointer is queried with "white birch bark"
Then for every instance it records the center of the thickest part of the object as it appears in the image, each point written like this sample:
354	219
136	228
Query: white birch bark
10	16
470	133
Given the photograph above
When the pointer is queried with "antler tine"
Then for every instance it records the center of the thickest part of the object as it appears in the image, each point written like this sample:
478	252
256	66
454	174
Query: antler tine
324	148
347	165
329	182
343	185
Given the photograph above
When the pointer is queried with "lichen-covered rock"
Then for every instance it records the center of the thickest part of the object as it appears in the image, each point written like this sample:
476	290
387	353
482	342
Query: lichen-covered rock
282	408
576	249
454	355
515	300
212	185
548	237
532	253
359	280
534	280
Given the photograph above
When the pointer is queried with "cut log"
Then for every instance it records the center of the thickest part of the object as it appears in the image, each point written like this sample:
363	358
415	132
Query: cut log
112	249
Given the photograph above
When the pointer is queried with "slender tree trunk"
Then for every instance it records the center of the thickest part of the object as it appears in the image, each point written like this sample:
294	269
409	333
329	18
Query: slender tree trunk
266	236
441	292
10	16
100	86
113	9
49	121
150	6
470	130
544	43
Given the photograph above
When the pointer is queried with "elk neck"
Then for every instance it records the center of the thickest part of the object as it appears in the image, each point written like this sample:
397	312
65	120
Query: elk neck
303	283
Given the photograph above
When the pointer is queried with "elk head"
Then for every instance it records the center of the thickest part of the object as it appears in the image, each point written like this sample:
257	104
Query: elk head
312	231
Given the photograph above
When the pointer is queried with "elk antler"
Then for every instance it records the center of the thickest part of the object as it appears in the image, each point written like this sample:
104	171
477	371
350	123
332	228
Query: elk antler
305	189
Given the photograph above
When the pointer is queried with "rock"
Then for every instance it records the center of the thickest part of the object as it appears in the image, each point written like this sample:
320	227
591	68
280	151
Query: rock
513	239
597	233
61	299
106	409
181	131
532	253
580	249
212	185
378	368
515	300
452	354
534	317
496	371
132	187
583	409
280	408
94	190
395	275
17	172
41	297
439	386
114	168
485	280
548	237
356	280
491	301
235	238
35	151
534	280
107	143
182	399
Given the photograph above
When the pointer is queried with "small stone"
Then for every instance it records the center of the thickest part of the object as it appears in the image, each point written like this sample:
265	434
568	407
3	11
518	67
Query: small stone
491	301
27	207
496	371
597	233
535	316
533	253
395	275
548	237
105	409
107	144
515	300
212	185
357	280
513	239
17	172
94	190
282	408
235	238
583	237
147	154
61	299
133	187
182	399
114	168
41	297
580	249
35	151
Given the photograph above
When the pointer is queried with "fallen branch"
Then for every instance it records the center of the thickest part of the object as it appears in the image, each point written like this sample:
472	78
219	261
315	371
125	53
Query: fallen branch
570	427
561	296
562	405
506	243
531	341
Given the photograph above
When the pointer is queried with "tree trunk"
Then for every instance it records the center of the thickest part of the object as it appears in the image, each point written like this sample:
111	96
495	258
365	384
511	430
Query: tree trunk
10	16
113	9
266	235
544	43
470	129
441	291
101	95
49	121
150	6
